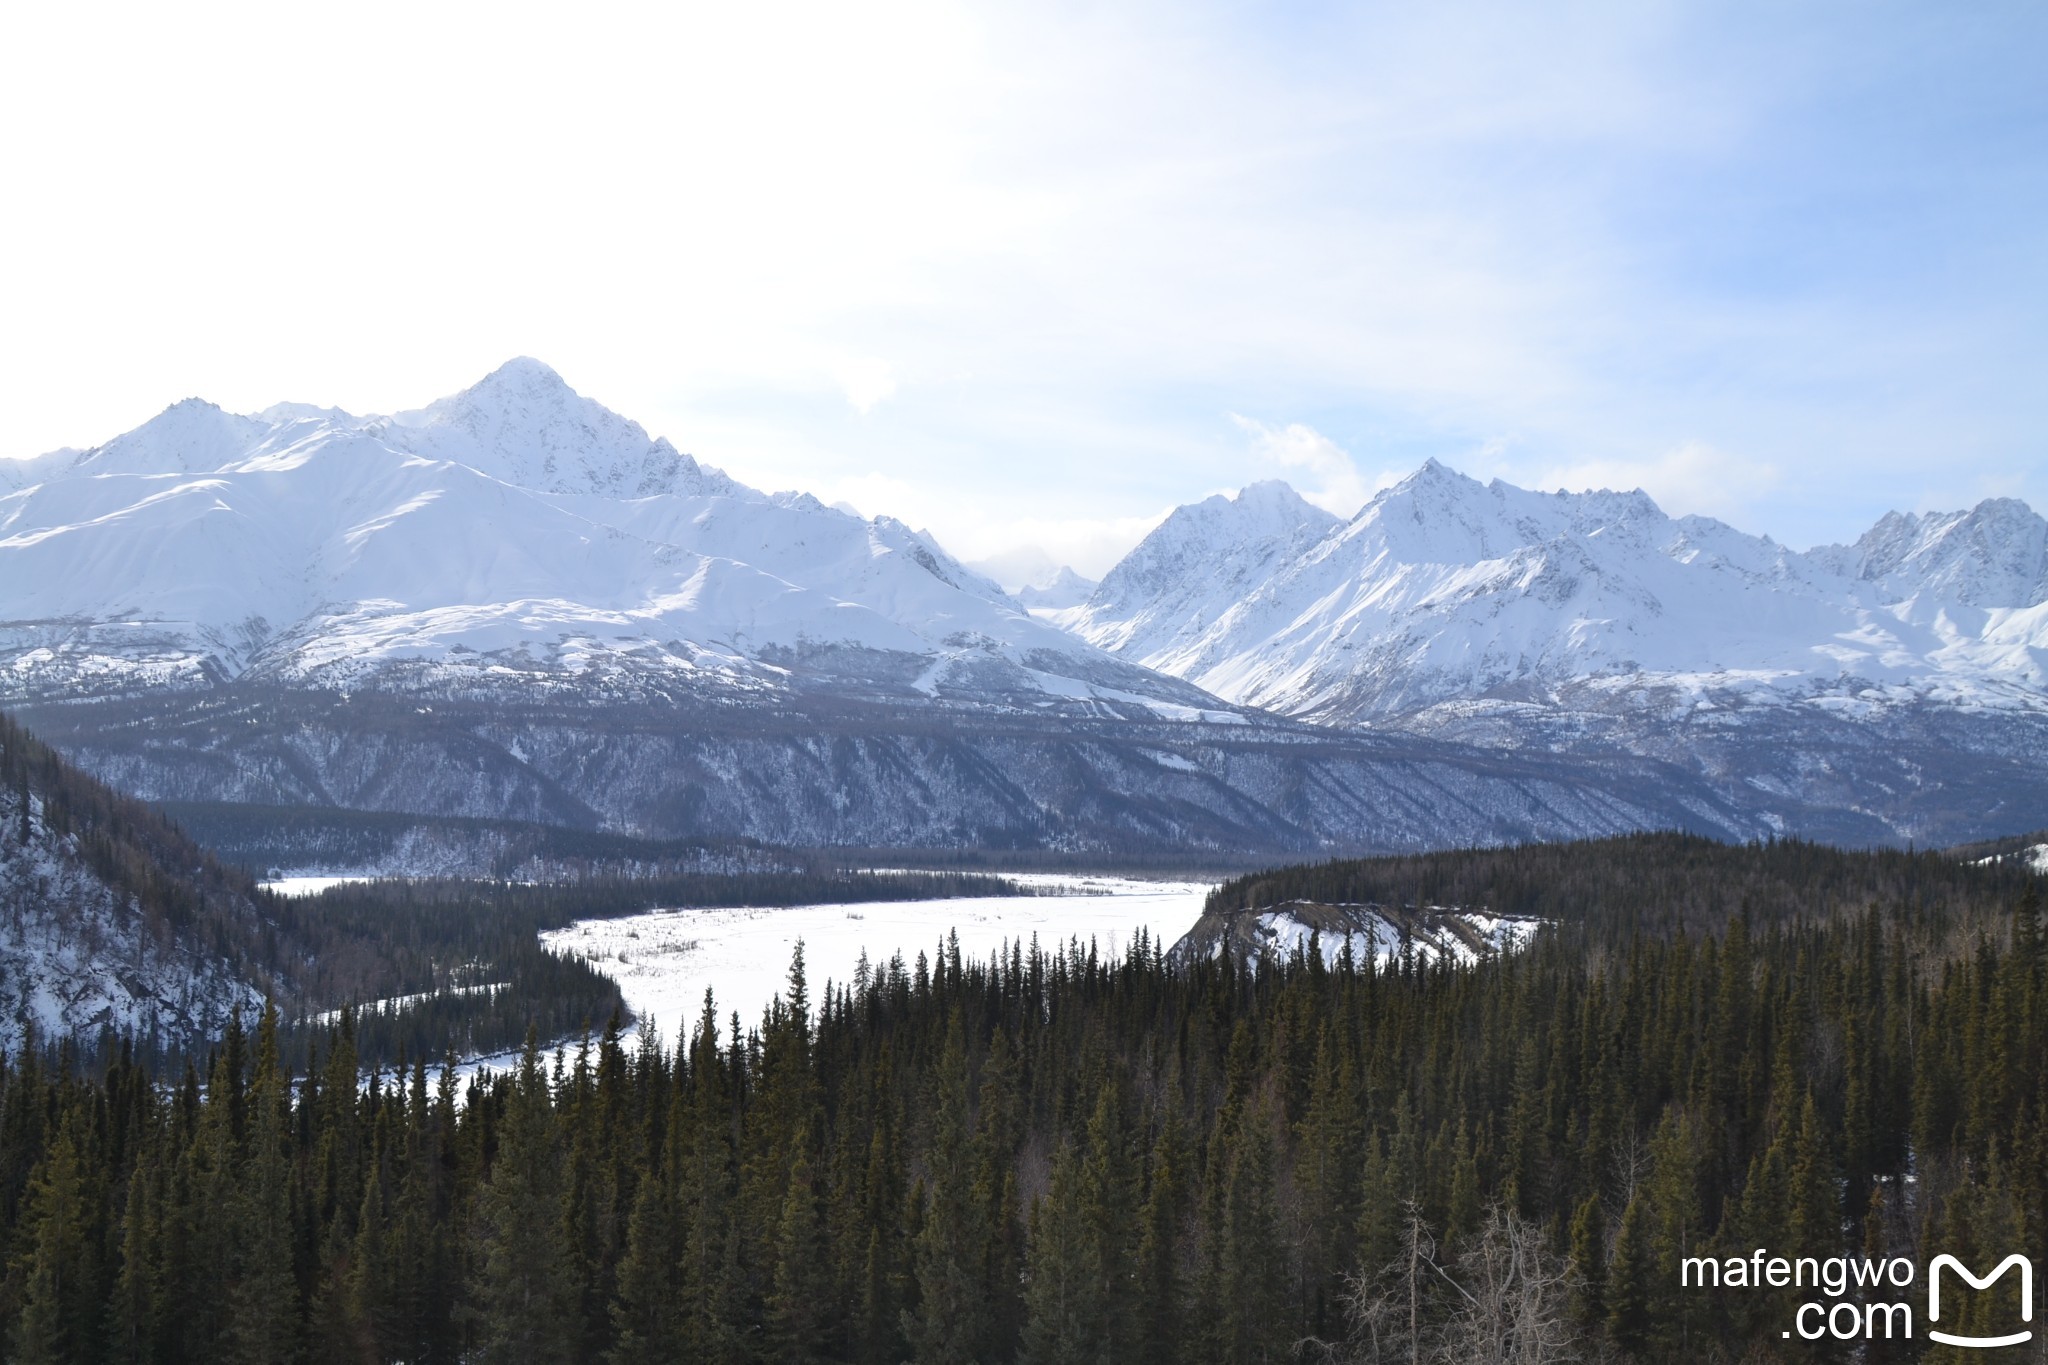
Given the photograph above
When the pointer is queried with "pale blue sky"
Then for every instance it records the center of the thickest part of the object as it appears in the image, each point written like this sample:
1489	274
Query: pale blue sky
1038	272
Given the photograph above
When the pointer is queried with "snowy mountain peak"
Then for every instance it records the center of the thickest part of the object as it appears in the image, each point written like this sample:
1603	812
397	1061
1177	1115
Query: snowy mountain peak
190	436
1274	497
1216	529
1438	515
523	424
1066	590
1444	590
1994	555
1195	564
1434	473
511	530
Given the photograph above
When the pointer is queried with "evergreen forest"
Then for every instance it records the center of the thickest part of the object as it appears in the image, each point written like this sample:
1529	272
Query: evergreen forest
1057	1155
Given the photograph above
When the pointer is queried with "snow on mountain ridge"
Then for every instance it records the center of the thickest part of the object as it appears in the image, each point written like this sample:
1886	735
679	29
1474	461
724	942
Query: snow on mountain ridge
1066	591
1169	589
515	519
1993	555
523	424
1444	588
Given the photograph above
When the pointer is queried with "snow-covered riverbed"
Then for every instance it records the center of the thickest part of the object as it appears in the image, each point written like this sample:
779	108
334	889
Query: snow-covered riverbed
664	960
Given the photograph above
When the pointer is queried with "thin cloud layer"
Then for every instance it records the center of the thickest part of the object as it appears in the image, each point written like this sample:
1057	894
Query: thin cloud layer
1029	255
1319	470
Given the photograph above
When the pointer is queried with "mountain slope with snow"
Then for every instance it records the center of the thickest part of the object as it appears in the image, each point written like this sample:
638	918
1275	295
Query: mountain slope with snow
1900	683
515	530
109	920
1446	591
514	604
1170	592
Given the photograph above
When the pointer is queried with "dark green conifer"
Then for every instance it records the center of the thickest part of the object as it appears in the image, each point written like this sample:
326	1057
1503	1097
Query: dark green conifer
525	1290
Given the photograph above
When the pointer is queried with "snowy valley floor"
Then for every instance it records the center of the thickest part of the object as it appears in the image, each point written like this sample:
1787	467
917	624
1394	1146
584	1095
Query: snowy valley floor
666	959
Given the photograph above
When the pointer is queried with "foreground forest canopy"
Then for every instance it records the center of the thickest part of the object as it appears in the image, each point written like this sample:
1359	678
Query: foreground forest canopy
1062	1157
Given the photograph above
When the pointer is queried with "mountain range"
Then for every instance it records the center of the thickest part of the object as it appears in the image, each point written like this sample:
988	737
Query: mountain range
1443	591
514	604
515	530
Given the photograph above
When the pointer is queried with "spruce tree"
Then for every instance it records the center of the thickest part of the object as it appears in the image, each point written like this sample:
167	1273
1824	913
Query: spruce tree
1062	1318
264	1323
799	1316
950	1325
647	1315
61	1298
524	1289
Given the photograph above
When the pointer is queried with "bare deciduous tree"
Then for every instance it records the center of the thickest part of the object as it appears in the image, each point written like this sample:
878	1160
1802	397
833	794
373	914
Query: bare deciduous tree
1502	1303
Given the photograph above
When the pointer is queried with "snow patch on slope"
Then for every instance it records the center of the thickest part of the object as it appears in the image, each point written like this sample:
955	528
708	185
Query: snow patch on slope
75	958
1374	934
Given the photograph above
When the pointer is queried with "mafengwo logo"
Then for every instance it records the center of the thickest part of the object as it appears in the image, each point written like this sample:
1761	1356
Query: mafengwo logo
1852	1291
1946	1262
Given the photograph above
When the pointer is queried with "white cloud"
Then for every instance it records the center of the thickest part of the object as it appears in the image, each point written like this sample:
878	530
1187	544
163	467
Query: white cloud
1090	546
1317	467
1028	251
970	531
1694	478
864	380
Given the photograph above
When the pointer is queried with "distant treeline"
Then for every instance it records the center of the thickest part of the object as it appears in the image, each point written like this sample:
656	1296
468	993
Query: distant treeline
277	837
1052	1157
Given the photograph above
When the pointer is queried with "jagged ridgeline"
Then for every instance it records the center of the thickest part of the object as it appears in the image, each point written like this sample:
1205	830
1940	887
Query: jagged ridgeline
1061	1156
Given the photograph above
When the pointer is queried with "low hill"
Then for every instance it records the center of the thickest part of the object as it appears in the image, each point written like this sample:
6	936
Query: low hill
1647	883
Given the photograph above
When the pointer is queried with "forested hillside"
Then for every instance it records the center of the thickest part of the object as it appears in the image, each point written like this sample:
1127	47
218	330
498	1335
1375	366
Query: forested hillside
1646	884
110	918
1057	1157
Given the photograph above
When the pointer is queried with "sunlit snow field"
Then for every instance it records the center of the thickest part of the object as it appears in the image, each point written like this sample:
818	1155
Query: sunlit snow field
664	960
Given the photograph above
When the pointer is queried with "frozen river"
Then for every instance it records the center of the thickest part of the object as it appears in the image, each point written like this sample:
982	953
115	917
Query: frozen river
663	960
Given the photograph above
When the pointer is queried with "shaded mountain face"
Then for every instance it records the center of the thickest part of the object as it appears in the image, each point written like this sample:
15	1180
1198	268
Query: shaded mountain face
812	774
516	530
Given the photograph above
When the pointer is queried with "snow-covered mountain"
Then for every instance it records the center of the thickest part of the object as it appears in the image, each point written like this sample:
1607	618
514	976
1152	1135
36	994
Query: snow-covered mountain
516	529
1445	592
1174	589
516	605
1899	684
1066	589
